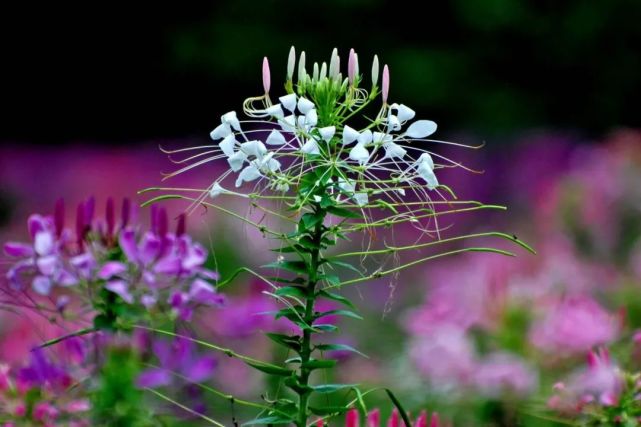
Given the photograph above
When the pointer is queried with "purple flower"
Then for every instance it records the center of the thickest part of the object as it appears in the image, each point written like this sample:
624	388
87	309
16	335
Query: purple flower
177	357
41	372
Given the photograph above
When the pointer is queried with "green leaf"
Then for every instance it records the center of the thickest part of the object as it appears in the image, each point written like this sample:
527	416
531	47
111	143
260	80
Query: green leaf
309	220
291	291
344	213
325	327
298	267
344	265
339	347
330	388
270	369
337	297
268	420
384	204
328	410
308	243
346	313
292	342
362	408
332	279
320	364
398	405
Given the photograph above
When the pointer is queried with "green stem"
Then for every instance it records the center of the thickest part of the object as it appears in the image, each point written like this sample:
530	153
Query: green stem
306	344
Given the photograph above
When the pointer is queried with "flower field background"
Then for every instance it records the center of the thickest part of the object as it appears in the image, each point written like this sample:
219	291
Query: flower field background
536	107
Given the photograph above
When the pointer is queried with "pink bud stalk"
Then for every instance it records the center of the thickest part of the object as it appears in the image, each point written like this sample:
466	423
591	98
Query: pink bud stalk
110	216
59	216
266	76
374	418
351	419
351	66
181	227
434	422
385	83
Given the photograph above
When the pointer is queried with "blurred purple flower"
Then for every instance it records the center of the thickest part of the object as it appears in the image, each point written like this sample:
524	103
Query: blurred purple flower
177	357
42	372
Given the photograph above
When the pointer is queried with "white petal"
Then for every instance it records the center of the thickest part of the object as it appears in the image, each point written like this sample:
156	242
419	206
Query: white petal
365	137
282	187
346	186
237	160
405	113
275	138
228	144
305	105
310	147
268	163
231	119
216	190
425	172
394	150
253	148
221	131
317	198
382	138
275	111
425	159
401	191
288	101
288	123
250	173
421	129
393	123
349	135
327	132
360	199
311	118
273	165
359	153
43	243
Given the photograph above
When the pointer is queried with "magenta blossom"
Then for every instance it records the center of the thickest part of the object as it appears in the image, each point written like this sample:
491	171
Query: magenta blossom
574	325
503	373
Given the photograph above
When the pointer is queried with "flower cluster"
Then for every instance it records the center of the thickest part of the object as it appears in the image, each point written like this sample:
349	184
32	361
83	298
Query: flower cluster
308	130
38	394
154	270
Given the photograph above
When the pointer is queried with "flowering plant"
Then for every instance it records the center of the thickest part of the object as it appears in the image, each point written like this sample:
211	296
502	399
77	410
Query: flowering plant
320	172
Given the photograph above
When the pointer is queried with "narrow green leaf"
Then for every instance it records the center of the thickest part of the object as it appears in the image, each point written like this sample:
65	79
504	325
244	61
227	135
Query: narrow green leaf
268	421
339	347
320	364
344	213
344	265
337	297
297	267
330	388
285	340
291	291
346	313
328	410
271	370
398	405
325	327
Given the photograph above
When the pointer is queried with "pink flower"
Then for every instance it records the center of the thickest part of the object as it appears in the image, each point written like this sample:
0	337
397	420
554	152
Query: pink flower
574	325
501	373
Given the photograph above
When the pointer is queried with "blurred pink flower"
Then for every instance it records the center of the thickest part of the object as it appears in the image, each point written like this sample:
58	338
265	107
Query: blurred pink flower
574	325
501	373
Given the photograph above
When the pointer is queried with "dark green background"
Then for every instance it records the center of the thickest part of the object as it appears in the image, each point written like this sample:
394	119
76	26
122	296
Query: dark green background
117	72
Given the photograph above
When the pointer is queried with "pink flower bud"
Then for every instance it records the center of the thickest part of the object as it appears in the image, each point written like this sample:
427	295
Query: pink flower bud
351	420
385	83
181	226
110	216
434	422
421	421
266	75
59	216
394	419
351	66
374	418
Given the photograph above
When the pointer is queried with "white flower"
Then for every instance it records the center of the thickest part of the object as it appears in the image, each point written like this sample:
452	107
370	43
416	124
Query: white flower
425	169
216	190
268	163
221	131
288	123
403	112
421	129
275	138
288	101
361	199
231	119
305	105
237	160
327	133
228	144
253	148
365	137
381	138
347	186
349	135
393	123
250	173
275	111
310	147
393	150
311	119
359	153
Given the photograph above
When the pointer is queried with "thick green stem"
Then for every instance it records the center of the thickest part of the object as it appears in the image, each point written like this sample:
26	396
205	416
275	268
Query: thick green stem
306	343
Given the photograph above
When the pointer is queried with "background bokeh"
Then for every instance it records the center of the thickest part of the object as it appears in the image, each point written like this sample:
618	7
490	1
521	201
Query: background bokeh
551	88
